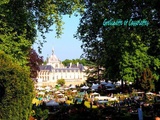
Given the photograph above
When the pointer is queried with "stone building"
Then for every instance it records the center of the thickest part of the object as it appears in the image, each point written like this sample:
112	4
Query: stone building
54	69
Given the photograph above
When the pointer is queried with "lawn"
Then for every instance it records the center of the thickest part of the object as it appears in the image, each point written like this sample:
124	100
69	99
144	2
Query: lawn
86	103
36	101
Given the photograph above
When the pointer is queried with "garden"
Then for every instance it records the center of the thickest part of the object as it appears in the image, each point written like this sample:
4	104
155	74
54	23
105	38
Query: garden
79	105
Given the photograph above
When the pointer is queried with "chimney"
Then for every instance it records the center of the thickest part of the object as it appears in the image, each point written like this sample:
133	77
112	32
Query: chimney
70	65
77	64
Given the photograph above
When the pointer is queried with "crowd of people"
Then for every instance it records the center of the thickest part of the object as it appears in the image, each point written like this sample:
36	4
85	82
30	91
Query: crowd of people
125	109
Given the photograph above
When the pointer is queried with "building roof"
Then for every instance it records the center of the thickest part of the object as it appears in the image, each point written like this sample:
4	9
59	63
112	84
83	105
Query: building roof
53	58
50	68
46	67
72	66
66	69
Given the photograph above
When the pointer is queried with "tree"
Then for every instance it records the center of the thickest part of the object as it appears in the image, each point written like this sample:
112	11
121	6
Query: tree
134	60
34	62
21	20
40	112
83	61
61	82
147	80
124	50
66	62
16	89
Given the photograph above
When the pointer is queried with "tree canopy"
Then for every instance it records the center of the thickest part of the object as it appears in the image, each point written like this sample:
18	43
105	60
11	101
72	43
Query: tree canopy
34	62
20	20
84	62
61	82
124	49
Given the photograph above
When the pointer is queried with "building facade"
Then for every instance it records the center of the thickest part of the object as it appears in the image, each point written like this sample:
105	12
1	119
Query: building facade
54	69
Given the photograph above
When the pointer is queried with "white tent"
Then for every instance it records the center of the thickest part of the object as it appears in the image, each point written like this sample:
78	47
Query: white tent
73	86
41	93
52	103
40	88
74	91
94	94
150	93
60	95
85	87
61	91
66	88
57	92
47	88
118	83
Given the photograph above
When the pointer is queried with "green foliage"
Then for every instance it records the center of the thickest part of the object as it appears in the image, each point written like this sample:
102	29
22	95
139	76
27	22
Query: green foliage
84	62
93	71
4	2
134	60
20	20
147	80
61	82
66	62
124	51
16	89
41	114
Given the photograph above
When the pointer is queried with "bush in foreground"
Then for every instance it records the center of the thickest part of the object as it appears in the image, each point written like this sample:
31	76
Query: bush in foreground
16	90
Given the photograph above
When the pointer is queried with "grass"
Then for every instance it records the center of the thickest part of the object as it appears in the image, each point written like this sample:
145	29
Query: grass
86	103
36	101
69	102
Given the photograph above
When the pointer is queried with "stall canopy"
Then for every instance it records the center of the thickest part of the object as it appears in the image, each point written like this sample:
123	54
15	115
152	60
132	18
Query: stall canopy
52	103
110	85
95	86
41	93
40	88
85	87
72	86
150	93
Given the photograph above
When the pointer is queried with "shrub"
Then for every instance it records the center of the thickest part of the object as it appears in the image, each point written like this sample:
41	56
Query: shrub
61	82
16	90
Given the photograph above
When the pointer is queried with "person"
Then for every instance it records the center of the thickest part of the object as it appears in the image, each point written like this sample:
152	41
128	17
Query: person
155	99
91	101
75	102
91	104
157	118
112	95
82	103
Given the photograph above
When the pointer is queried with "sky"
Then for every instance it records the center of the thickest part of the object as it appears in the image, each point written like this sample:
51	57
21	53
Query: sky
65	47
